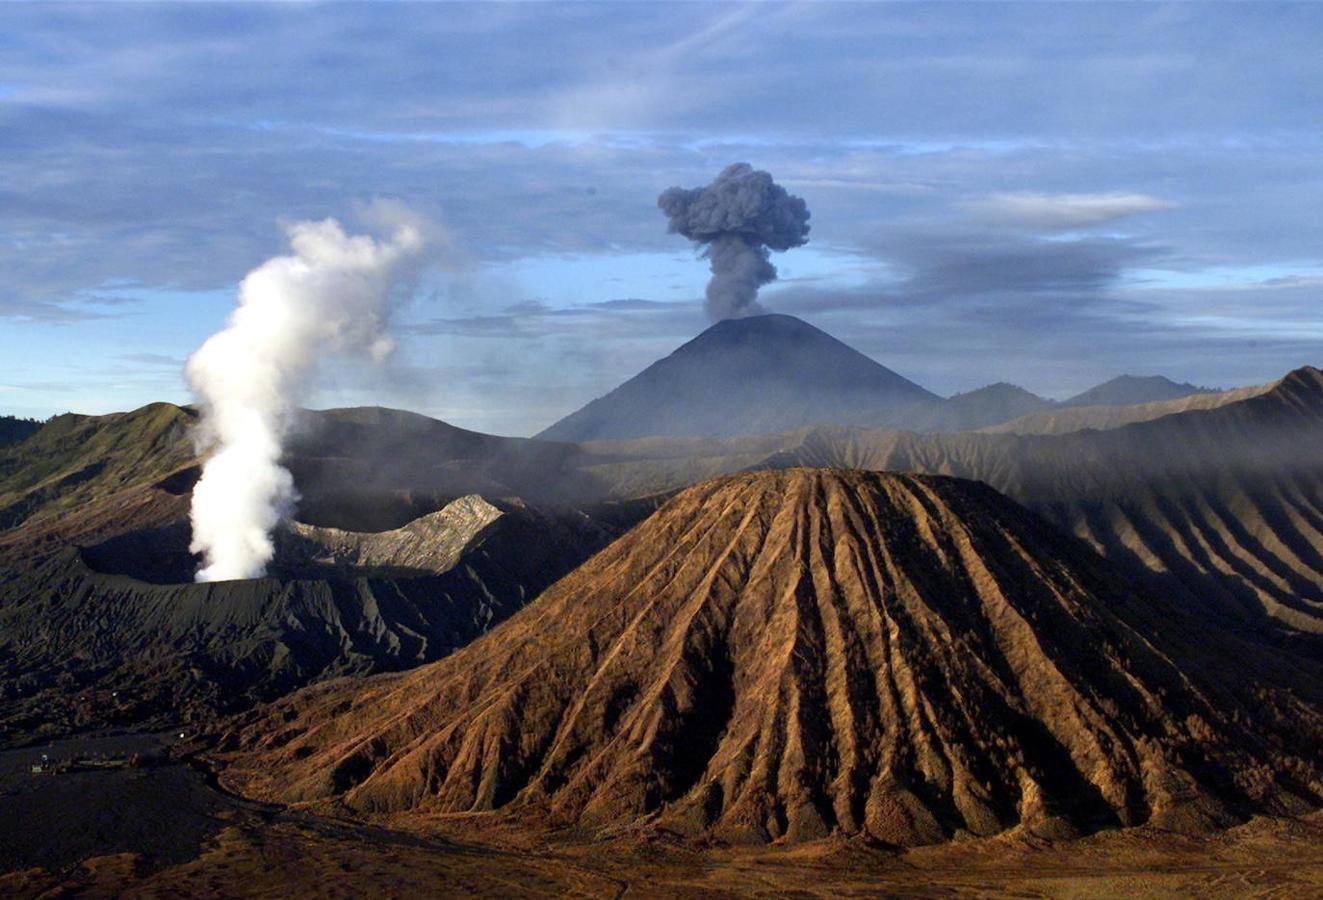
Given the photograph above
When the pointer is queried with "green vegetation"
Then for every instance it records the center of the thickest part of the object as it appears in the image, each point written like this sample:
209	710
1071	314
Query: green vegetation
74	460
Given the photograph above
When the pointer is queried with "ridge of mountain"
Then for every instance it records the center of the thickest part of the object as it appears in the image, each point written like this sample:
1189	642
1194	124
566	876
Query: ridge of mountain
1127	390
85	479
432	543
1063	419
970	411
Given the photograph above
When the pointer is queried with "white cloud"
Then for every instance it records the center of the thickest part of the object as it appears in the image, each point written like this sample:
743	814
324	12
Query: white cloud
1062	210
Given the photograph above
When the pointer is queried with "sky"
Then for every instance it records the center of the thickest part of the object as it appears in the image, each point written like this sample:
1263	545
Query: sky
1046	194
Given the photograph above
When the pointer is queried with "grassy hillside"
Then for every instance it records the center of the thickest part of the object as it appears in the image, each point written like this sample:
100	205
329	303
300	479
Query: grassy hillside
75	460
79	479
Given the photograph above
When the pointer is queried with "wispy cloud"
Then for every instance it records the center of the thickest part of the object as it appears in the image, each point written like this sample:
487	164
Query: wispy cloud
46	311
160	360
589	321
1062	210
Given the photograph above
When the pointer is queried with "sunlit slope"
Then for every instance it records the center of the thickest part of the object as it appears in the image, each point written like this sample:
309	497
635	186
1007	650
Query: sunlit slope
787	654
1228	502
79	479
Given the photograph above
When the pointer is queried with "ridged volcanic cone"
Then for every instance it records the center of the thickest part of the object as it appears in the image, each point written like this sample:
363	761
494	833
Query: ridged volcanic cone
788	654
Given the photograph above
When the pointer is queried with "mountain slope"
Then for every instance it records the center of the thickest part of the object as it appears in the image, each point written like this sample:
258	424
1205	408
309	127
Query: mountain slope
790	654
1127	390
1224	505
81	480
971	411
123	616
754	375
84	478
373	469
387	571
1063	419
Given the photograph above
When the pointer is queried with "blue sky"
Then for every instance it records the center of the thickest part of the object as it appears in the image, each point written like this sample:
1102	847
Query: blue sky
1045	194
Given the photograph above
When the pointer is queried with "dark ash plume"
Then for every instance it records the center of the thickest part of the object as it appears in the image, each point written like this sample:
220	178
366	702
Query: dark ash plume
740	217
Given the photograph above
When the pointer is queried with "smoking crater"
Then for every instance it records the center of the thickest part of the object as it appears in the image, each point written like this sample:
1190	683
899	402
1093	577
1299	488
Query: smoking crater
330	298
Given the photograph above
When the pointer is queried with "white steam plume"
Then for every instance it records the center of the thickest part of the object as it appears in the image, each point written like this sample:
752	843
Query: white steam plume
331	297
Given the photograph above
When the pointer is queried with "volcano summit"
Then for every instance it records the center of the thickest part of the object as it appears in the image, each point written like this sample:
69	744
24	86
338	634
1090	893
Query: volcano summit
755	375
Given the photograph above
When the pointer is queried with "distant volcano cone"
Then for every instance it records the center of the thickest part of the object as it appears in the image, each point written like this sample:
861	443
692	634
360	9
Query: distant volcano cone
790	654
756	375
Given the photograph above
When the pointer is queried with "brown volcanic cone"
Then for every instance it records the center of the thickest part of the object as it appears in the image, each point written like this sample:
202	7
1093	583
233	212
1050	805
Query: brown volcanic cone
788	653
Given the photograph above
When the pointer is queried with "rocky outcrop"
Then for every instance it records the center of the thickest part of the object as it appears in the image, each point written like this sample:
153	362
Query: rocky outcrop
429	544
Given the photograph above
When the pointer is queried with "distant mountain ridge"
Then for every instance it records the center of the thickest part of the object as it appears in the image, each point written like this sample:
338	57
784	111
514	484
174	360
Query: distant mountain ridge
82	479
775	373
1224	504
1062	419
1127	390
973	410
